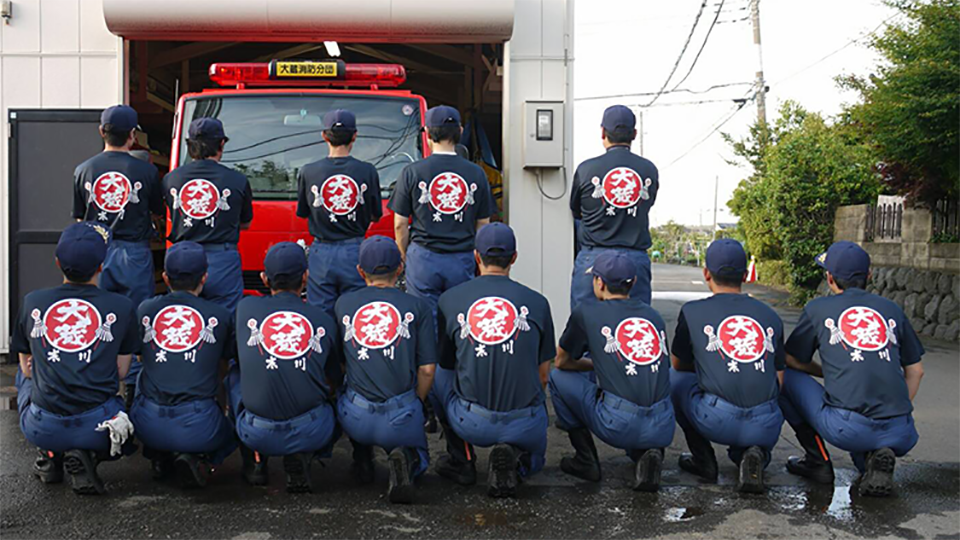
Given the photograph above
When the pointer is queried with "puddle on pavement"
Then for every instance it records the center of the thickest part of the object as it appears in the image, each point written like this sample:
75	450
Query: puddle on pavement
492	519
678	515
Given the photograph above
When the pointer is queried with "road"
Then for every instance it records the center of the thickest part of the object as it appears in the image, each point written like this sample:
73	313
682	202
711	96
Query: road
551	505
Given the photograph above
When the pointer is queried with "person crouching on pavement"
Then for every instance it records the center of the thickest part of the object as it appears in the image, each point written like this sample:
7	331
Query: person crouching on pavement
496	344
186	343
870	364
390	351
729	357
75	342
289	366
629	407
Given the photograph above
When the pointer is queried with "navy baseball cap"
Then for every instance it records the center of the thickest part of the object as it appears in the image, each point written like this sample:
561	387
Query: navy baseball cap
82	247
185	260
285	259
122	118
614	268
379	255
726	258
496	239
340	120
845	260
618	117
209	129
441	115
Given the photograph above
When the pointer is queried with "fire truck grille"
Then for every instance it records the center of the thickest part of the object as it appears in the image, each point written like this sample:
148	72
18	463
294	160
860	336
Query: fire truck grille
252	282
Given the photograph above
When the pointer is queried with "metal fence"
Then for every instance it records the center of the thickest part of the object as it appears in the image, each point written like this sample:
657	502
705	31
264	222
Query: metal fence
946	218
884	221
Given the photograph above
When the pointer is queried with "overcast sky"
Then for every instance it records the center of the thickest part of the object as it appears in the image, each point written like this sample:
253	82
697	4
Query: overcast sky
629	46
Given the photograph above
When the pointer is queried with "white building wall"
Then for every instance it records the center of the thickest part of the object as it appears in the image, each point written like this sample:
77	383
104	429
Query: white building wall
539	66
54	54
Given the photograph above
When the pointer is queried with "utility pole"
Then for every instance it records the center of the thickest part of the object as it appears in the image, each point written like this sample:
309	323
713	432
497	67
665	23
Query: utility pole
761	83
716	189
640	133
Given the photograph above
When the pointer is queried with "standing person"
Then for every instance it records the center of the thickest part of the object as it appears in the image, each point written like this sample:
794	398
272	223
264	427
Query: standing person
186	344
121	192
729	358
74	342
289	366
630	408
611	196
448	199
390	351
340	197
496	344
210	204
871	372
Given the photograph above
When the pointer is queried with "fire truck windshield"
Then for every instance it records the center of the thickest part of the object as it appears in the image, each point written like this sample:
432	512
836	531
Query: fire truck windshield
273	135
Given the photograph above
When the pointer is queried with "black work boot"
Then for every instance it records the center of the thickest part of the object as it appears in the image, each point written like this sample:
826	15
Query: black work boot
702	461
48	467
191	472
255	470
297	469
815	464
81	465
402	462
430	422
502	478
129	392
363	467
585	463
877	480
750	479
647	470
461	472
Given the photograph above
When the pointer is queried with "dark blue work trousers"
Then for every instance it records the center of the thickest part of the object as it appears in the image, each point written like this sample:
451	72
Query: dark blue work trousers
394	423
128	270
192	427
224	285
581	285
333	272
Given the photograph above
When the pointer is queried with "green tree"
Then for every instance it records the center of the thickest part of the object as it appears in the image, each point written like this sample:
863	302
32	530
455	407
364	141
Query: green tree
910	108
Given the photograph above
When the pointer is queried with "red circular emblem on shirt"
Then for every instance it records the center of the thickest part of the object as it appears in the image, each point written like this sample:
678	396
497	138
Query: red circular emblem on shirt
376	325
448	193
286	334
111	192
199	198
742	338
177	328
622	187
492	320
639	341
340	194
863	328
71	324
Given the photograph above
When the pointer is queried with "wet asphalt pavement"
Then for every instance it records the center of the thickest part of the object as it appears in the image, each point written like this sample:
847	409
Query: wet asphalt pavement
550	505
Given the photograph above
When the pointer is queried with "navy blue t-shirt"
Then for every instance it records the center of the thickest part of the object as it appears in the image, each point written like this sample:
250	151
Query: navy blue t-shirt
208	202
120	191
340	197
864	341
627	341
444	195
496	332
184	340
75	333
612	194
289	353
387	335
735	344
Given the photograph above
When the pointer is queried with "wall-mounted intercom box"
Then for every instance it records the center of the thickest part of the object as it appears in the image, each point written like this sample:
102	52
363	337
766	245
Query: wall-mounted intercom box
543	134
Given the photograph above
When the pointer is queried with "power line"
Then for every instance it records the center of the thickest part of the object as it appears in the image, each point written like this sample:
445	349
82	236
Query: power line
675	90
685	103
676	64
740	106
702	45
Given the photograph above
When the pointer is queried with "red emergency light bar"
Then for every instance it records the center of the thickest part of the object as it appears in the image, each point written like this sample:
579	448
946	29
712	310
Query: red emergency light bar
307	73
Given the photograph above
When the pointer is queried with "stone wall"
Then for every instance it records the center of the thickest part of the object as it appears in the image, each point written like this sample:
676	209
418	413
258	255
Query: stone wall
930	299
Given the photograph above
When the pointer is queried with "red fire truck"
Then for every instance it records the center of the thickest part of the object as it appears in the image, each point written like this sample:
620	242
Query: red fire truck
272	113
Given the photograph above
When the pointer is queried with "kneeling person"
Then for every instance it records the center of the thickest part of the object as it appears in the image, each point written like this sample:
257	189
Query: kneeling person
728	352
390	349
186	341
871	372
289	366
627	345
496	342
75	342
